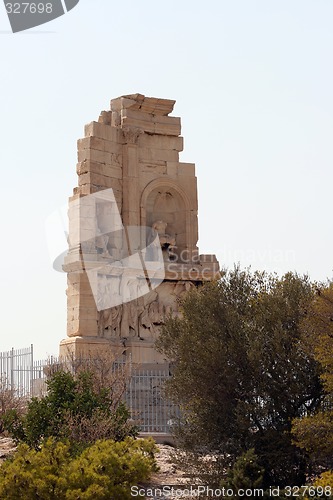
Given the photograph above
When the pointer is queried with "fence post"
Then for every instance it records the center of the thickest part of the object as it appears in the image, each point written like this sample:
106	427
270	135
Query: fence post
32	371
12	369
130	363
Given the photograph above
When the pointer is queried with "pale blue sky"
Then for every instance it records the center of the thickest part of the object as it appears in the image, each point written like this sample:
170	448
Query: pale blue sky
253	81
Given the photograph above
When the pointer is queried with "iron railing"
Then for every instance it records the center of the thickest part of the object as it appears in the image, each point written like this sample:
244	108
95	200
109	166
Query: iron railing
144	395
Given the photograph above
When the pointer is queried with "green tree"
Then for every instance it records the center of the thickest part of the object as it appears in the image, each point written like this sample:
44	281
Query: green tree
74	408
241	371
315	432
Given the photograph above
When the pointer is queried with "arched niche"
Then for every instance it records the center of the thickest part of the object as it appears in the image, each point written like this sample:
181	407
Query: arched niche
163	200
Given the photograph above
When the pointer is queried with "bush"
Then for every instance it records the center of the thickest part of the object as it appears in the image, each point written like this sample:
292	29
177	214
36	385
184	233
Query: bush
9	402
246	474
104	470
325	480
74	408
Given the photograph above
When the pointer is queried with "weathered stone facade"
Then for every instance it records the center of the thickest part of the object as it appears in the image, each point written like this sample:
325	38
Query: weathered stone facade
133	149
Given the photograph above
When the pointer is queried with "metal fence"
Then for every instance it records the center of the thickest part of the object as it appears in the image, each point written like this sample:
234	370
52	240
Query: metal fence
150	408
16	369
144	395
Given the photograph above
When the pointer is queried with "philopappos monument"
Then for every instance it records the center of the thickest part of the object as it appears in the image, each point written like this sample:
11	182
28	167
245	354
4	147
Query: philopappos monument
133	230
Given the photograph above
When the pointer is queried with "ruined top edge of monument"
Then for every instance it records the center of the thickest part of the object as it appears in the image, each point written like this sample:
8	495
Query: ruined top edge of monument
152	105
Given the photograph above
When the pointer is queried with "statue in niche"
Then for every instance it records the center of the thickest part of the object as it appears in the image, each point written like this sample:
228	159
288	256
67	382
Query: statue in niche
166	241
101	243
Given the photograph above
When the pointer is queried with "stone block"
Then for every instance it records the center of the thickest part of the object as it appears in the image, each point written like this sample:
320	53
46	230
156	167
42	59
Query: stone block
77	199
189	185
92	142
115	119
95	129
86	347
149	154
94	155
172	168
75	212
77	279
155	169
148	117
87	189
169	143
72	328
84	327
87	234
89	166
183	169
103	181
83	313
165	125
152	105
87	223
187	169
122	103
103	131
113	148
105	117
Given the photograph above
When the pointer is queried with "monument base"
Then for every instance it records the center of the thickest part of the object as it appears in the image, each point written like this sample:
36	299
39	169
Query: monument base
137	351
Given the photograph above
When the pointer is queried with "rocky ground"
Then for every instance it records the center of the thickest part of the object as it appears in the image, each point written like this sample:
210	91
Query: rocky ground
7	447
169	475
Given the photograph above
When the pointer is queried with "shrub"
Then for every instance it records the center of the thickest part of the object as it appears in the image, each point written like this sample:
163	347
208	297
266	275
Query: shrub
9	402
325	479
104	470
246	474
74	408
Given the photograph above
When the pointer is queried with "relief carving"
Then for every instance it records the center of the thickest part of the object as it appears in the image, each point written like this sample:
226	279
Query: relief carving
110	321
143	317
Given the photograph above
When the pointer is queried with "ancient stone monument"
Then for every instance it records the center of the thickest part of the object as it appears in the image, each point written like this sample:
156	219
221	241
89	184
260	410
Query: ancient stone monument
133	230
